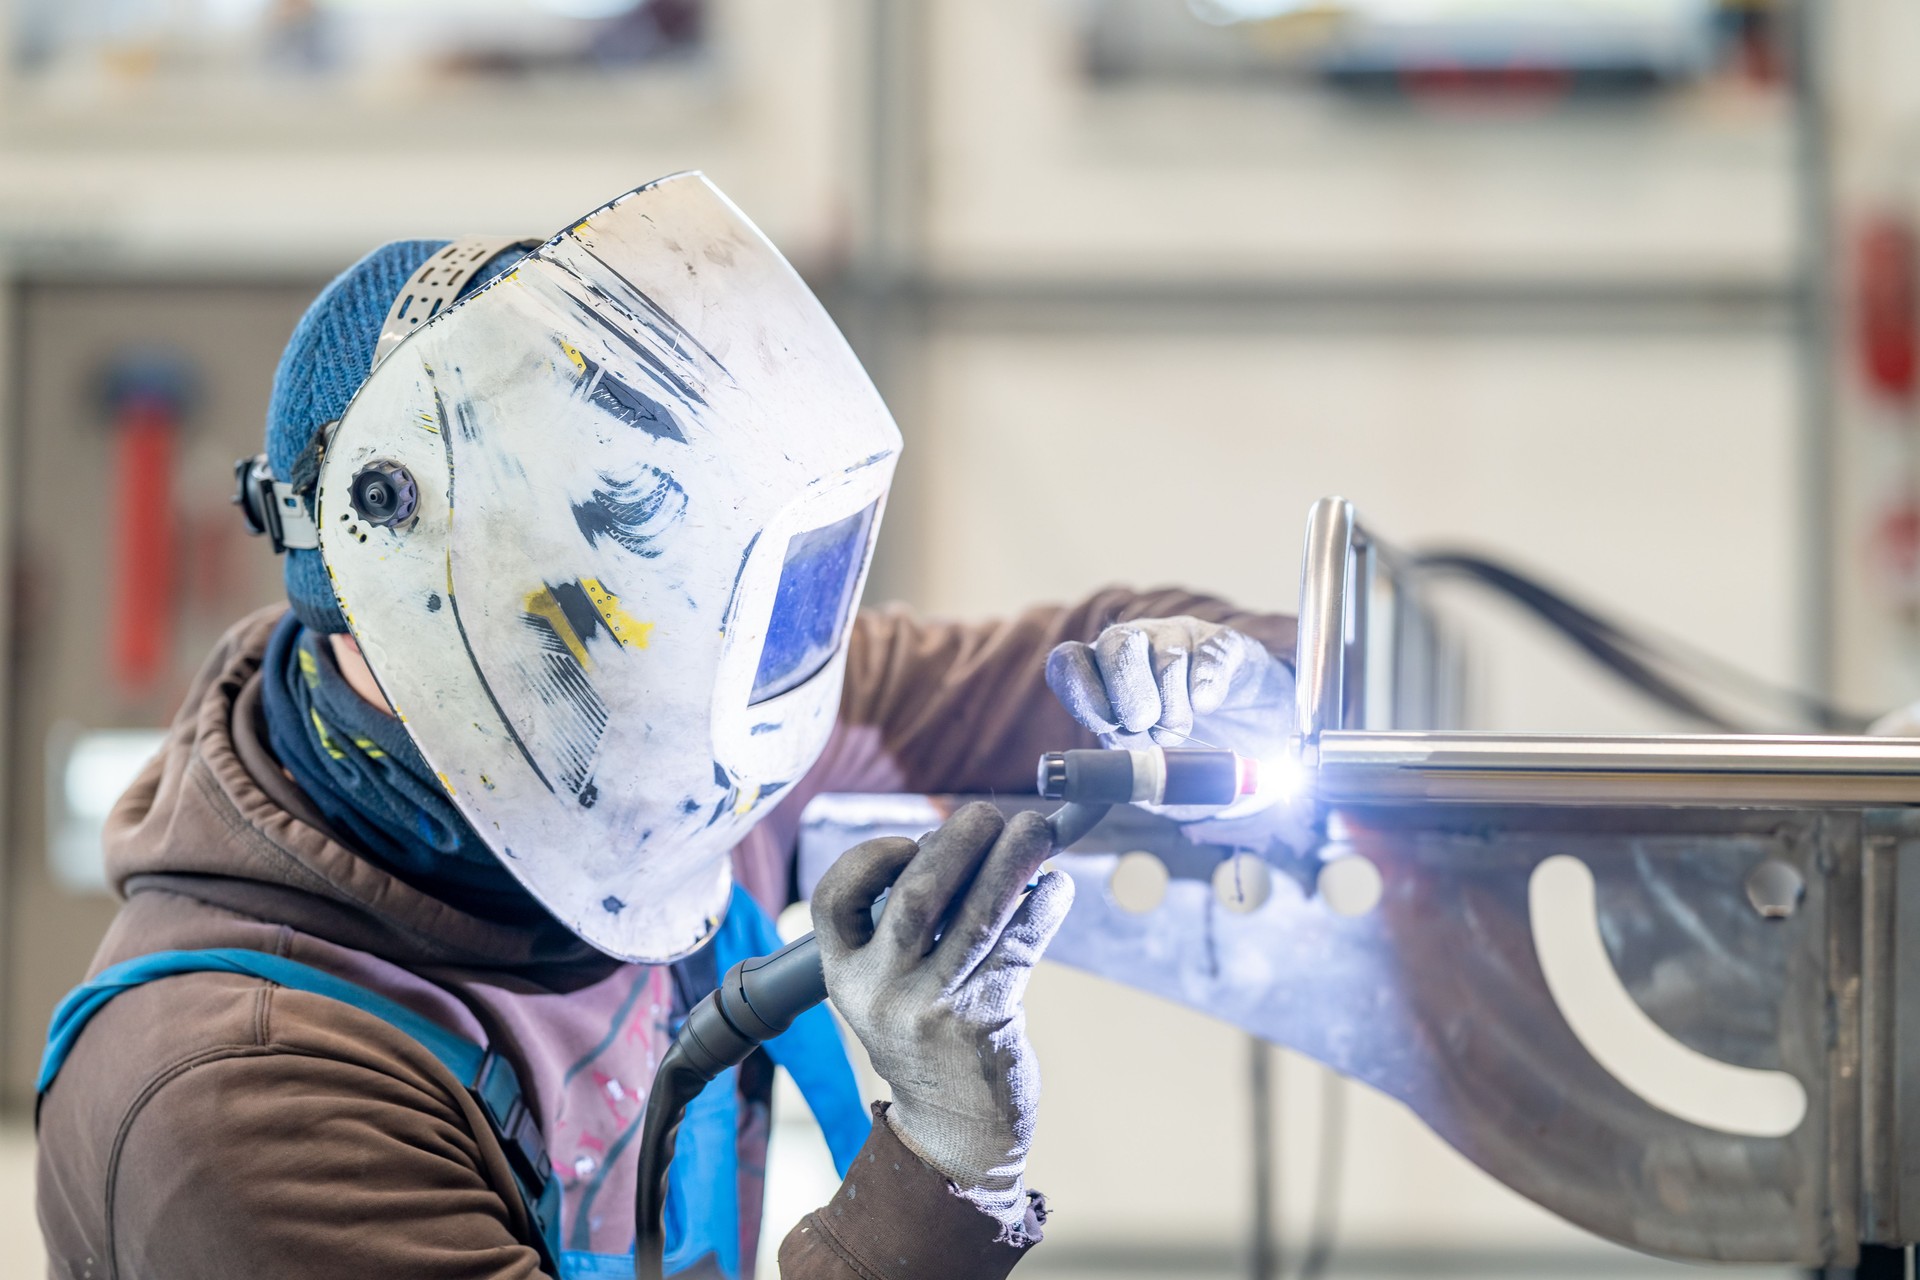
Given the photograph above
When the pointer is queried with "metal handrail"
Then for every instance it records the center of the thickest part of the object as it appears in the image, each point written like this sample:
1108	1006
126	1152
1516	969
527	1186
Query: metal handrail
1326	577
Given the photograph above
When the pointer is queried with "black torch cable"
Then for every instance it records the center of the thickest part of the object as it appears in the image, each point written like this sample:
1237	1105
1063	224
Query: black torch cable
1324	1231
675	1085
756	1001
1678	675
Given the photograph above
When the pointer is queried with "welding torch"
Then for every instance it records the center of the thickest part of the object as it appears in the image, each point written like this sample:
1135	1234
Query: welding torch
760	998
1152	776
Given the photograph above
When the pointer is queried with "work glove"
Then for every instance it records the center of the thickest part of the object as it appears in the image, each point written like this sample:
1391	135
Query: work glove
1181	682
934	990
1176	682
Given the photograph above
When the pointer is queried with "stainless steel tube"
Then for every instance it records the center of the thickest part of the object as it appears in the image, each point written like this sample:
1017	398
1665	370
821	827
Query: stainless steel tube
1325	575
1355	769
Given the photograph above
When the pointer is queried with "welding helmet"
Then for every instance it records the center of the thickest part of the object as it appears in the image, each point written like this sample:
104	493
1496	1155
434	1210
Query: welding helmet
599	528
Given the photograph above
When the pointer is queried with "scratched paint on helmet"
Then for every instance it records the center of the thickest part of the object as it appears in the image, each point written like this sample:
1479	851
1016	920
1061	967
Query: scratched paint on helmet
636	428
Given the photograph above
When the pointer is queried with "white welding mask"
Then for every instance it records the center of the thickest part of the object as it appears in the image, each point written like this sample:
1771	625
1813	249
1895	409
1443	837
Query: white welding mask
599	530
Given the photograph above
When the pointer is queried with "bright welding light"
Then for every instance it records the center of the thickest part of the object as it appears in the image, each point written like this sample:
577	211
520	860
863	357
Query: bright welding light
1279	779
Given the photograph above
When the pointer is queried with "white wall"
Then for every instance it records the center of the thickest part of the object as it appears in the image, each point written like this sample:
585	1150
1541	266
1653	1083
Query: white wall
1652	473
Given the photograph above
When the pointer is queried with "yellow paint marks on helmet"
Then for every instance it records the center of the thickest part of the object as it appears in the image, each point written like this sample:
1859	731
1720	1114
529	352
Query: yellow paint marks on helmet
541	604
573	354
747	799
429	423
445	783
626	628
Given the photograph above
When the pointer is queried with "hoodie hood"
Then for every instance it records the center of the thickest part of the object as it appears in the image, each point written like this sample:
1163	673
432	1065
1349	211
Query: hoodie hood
214	817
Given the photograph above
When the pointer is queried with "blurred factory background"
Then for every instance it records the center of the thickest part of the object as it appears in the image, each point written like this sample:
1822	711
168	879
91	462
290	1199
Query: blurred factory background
1623	291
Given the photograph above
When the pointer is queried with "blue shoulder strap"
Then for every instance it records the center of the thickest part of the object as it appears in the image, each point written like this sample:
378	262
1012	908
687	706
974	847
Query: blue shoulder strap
707	1154
490	1078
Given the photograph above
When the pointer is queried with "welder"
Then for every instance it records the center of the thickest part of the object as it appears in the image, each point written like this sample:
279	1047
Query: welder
437	854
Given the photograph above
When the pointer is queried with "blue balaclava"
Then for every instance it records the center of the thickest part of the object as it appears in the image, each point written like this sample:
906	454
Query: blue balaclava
326	360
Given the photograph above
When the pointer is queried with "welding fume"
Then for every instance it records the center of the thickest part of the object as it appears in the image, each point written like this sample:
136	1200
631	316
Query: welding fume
448	853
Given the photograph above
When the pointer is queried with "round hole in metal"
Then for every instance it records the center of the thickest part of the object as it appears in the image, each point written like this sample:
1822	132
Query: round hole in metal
1243	883
1138	883
1350	885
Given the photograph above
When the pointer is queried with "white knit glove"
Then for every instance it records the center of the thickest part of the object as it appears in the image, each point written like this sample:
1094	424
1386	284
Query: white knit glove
1181	682
941	1016
1175	682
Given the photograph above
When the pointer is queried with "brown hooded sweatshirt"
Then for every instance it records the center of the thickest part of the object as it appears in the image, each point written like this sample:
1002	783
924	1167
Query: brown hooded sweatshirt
212	1125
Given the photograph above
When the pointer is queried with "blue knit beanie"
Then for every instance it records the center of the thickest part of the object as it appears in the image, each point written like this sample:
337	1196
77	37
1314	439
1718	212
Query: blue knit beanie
326	360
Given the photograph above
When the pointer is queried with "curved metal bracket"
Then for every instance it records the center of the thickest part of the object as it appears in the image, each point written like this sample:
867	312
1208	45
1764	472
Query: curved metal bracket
1436	997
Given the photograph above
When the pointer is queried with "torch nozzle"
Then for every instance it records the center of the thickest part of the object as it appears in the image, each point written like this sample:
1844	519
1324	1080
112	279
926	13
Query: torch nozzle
1150	776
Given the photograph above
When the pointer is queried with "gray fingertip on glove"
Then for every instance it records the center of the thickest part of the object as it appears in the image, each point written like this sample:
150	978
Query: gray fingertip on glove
934	991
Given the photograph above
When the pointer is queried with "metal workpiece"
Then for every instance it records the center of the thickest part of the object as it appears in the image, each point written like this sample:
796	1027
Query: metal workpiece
1893	1030
1776	888
1370	652
1438	996
1747	894
1879	1164
1749	909
1326	598
1363	579
1371	769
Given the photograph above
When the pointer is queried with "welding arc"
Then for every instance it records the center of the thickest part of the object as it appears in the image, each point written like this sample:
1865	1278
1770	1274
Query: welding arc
1673	673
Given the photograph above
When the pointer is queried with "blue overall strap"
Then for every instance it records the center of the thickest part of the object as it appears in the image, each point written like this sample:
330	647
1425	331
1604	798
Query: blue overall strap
707	1154
490	1078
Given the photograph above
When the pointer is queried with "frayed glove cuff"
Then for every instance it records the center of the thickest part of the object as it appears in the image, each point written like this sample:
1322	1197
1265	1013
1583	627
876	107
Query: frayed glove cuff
1000	1192
897	1218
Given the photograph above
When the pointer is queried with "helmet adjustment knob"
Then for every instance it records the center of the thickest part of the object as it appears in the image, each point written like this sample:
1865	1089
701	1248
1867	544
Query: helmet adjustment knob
384	494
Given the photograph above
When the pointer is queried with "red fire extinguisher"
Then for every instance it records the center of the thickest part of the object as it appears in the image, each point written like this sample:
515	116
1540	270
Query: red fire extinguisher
147	396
